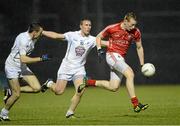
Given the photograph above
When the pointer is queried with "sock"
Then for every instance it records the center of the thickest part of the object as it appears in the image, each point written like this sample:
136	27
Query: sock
69	112
91	82
4	112
134	101
50	83
7	92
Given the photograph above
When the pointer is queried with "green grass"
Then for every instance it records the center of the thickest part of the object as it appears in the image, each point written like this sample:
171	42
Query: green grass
99	107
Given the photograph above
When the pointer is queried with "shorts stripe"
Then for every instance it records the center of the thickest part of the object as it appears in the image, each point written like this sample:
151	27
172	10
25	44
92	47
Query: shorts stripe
113	57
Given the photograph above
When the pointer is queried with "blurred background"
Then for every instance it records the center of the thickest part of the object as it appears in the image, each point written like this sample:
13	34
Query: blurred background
158	20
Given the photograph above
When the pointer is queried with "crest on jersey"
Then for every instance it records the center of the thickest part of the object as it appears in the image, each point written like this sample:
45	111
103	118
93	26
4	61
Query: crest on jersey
80	50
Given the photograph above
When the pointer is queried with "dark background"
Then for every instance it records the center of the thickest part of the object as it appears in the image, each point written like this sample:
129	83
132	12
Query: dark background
158	20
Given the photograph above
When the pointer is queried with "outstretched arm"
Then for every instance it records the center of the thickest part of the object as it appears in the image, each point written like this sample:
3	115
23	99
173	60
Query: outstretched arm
140	52
27	59
53	35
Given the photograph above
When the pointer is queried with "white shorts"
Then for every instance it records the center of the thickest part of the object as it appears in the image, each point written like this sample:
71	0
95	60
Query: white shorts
117	65
67	72
16	72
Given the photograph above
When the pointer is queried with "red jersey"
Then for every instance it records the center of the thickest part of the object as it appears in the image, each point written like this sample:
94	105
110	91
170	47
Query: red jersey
120	39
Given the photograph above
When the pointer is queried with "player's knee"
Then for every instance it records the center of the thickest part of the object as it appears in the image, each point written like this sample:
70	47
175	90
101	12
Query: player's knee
16	95
130	74
37	88
58	91
114	86
114	89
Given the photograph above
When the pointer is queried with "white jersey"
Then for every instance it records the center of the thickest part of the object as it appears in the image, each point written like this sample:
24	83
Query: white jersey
78	48
23	45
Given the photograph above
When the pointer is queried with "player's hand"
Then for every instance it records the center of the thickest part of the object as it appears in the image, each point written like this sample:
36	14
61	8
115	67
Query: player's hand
46	57
101	52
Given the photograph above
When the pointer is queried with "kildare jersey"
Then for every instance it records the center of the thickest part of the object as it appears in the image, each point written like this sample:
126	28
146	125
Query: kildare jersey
120	39
78	48
23	45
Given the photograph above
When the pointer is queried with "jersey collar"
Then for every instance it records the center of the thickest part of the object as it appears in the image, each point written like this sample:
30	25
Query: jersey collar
79	32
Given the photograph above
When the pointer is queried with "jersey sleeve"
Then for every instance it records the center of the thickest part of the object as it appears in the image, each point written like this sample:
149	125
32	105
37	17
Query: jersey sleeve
22	46
94	42
68	36
137	35
105	32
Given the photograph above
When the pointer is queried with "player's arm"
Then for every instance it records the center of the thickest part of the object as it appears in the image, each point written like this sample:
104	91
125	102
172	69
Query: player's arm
140	51
100	51
53	35
104	43
99	38
27	59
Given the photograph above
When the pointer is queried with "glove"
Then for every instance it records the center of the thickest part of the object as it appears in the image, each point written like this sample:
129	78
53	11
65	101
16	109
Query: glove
100	52
45	57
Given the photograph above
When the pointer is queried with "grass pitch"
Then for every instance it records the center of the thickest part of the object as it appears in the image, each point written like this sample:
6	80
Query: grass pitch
99	107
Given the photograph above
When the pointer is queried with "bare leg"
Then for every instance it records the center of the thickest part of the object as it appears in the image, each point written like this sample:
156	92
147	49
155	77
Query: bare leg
112	85
15	87
128	73
34	85
59	87
76	98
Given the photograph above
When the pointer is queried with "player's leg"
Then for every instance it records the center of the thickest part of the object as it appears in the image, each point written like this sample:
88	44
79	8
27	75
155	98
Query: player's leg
112	85
129	74
114	82
15	88
29	77
126	70
59	87
63	76
117	62
7	94
33	84
79	84
5	86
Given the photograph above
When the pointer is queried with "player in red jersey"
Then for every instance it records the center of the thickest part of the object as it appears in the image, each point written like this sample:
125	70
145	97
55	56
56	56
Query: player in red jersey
120	36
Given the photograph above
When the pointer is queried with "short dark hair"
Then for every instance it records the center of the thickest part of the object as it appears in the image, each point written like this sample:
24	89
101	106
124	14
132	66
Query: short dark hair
130	15
35	26
84	19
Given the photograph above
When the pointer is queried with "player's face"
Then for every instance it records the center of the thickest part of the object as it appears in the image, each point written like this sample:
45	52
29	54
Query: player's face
38	34
86	27
130	24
